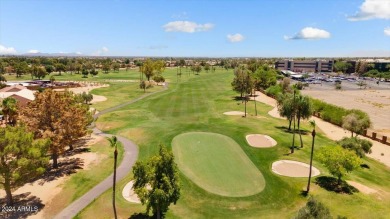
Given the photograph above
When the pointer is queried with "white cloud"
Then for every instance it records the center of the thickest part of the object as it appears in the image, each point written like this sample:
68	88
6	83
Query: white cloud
372	9
187	27
234	38
33	51
78	53
6	50
387	31
101	51
309	33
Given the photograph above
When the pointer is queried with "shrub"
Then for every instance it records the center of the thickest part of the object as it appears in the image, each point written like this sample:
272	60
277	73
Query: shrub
274	90
314	209
359	146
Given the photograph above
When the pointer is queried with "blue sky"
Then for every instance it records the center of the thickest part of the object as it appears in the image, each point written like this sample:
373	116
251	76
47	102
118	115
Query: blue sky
214	28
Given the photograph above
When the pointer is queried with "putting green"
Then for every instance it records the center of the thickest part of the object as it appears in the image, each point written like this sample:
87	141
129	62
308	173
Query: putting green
217	164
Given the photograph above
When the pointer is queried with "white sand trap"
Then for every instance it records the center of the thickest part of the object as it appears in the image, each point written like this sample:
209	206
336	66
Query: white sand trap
129	194
234	113
293	168
362	188
260	141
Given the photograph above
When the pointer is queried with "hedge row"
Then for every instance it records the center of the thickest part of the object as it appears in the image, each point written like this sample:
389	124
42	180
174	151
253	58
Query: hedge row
332	113
328	112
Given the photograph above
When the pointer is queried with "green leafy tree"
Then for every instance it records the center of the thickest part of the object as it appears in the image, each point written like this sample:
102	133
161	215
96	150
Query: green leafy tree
148	69
240	82
60	68
265	77
355	123
338	161
314	210
342	66
160	174
10	110
207	67
285	105
359	146
22	158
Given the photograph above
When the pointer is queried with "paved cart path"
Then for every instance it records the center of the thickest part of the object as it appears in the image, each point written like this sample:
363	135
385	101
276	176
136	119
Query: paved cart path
129	158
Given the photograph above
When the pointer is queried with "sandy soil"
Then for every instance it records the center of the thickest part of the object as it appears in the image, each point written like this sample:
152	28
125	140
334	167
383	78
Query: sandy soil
373	102
234	113
362	188
128	193
40	189
380	152
293	168
96	98
260	141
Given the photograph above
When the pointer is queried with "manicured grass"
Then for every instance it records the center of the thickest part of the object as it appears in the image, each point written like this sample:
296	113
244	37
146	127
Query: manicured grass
217	164
131	74
196	104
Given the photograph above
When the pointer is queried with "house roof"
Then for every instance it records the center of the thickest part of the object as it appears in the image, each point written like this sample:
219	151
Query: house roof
26	93
21	101
14	88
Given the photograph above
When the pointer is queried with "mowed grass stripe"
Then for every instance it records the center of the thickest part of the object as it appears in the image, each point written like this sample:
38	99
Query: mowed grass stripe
217	164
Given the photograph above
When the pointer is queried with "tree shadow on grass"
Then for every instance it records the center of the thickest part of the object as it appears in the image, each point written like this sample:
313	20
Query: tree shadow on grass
285	129
140	216
66	167
331	184
24	206
144	216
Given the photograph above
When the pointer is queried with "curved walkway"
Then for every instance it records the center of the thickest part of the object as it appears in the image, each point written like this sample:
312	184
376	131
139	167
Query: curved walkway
129	158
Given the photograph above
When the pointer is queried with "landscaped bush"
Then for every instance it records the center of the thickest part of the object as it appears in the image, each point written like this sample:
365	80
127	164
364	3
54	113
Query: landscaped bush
333	114
274	90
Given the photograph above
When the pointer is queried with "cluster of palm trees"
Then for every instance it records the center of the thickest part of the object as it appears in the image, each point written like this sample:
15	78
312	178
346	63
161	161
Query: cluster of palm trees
294	107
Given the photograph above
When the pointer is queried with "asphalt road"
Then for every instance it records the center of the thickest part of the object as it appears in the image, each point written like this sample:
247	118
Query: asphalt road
129	158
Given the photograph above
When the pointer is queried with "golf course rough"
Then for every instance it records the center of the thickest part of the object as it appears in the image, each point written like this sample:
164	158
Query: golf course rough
217	164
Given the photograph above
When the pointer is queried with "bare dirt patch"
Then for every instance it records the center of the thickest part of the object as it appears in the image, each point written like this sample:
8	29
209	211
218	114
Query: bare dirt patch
293	168
260	141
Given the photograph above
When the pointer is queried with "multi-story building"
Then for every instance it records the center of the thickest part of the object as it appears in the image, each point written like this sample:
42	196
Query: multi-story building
305	65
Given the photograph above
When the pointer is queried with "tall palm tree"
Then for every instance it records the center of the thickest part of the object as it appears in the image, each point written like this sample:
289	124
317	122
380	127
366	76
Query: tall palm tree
114	143
9	108
304	111
313	134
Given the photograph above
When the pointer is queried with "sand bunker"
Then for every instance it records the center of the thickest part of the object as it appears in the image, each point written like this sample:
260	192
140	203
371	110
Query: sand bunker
234	113
129	194
260	141
293	169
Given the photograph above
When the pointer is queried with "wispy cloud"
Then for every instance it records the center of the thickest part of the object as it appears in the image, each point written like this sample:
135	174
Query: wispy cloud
7	50
387	31
309	33
101	51
372	9
234	38
187	27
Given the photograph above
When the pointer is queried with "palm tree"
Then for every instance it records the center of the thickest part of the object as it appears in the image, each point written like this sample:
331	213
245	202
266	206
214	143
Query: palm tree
313	134
9	108
285	107
114	143
304	111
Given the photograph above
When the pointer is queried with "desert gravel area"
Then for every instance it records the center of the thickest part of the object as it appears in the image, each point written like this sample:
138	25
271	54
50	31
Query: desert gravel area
374	100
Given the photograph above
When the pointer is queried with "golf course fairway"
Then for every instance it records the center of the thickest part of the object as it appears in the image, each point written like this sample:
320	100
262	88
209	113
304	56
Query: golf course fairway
217	164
